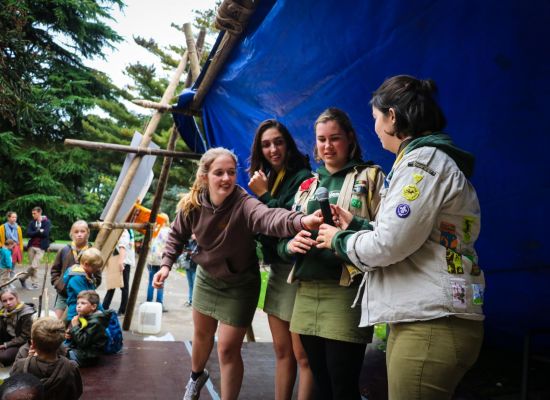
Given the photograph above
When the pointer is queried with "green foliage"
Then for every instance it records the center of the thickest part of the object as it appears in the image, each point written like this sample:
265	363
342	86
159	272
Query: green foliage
47	95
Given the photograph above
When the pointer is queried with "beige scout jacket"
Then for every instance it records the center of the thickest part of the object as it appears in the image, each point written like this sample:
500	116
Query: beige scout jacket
420	260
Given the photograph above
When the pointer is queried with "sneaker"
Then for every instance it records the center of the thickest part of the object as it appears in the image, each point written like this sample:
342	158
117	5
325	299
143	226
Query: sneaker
187	304
193	388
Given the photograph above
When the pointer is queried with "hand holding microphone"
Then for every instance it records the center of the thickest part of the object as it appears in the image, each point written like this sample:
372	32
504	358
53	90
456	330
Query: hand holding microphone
326	232
321	195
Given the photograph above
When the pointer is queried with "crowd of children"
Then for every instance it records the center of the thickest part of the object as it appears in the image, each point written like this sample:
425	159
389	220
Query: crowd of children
46	354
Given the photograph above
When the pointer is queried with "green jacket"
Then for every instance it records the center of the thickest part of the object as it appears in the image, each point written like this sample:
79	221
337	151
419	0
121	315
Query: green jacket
322	264
88	341
283	198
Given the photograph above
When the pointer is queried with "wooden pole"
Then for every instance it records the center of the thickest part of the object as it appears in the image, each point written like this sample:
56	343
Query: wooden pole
163	179
200	45
119	225
229	40
195	67
144	144
129	149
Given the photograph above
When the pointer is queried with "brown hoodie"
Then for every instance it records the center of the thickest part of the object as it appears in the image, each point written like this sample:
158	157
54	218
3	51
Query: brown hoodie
226	234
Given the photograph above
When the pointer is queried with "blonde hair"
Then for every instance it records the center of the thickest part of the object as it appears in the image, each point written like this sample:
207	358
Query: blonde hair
9	290
92	257
166	218
79	223
47	334
191	200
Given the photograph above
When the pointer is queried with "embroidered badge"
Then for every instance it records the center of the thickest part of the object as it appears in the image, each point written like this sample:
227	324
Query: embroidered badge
458	290
448	235
478	292
307	183
360	187
417	178
356	203
467	225
403	210
411	192
454	262
423	167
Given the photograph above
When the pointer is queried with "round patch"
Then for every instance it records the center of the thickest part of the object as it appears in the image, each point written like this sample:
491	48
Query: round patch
411	192
403	210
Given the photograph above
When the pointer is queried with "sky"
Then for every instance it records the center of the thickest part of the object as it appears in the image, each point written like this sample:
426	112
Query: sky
150	20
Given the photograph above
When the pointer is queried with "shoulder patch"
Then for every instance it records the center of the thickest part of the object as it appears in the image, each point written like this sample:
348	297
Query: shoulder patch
307	183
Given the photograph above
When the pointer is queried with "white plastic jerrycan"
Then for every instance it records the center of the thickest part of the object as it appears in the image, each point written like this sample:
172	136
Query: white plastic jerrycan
150	317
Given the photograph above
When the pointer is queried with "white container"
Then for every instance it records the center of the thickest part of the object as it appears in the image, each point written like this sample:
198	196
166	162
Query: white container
149	317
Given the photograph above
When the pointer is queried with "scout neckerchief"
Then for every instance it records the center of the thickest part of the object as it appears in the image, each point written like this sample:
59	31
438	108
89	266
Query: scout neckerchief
76	251
5	313
278	180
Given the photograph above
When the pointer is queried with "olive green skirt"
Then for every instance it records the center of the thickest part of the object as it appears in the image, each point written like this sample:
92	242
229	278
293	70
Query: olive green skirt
280	295
232	303
323	309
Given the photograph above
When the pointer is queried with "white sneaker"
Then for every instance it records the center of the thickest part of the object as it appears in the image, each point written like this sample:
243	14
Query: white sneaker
193	388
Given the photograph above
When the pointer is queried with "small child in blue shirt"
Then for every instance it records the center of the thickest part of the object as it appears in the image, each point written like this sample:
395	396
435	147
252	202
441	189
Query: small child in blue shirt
6	263
80	277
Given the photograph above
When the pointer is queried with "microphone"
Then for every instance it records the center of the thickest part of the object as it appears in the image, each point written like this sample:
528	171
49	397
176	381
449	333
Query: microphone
321	195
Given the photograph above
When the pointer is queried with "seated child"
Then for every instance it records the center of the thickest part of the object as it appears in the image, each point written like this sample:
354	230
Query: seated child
60	376
86	336
22	386
6	263
15	325
80	277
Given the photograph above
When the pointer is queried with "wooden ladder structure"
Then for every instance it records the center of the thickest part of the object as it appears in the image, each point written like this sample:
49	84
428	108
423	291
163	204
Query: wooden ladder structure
232	17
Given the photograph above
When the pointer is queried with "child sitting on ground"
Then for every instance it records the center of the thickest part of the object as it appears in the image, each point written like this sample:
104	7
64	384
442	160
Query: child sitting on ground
60	376
86	336
80	277
15	325
6	263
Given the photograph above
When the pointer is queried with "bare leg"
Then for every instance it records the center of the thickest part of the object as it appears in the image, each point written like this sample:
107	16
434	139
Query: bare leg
306	385
230	340
203	340
59	313
285	363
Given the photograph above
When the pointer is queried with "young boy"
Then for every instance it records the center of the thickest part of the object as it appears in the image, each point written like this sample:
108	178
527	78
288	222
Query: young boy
60	376
86	335
80	277
6	263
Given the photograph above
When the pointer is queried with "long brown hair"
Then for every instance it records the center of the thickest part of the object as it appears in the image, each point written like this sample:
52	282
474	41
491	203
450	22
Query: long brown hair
294	158
191	200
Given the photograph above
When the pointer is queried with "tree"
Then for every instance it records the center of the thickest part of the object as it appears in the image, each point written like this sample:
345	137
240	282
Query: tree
46	95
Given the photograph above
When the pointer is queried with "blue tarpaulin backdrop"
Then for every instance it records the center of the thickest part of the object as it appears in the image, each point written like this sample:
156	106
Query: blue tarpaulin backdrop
490	61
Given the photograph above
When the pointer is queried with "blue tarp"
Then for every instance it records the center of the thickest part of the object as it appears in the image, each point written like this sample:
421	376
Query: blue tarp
490	61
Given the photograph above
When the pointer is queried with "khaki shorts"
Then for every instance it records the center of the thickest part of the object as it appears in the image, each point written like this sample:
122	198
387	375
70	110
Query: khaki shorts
232	303
324	309
280	295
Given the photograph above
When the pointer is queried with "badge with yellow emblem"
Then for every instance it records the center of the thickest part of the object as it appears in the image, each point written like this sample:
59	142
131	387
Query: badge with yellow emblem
411	192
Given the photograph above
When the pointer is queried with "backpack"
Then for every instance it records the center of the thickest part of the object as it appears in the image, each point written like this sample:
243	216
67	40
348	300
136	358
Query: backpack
114	334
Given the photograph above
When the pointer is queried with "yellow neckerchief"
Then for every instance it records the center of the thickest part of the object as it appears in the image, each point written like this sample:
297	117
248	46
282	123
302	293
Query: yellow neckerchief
77	252
278	180
83	322
6	313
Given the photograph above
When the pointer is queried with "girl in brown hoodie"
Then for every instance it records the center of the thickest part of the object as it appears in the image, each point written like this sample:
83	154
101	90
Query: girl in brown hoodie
225	221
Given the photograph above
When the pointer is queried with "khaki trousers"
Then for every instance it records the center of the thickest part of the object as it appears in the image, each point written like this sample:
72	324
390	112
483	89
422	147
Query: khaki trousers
35	256
427	359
